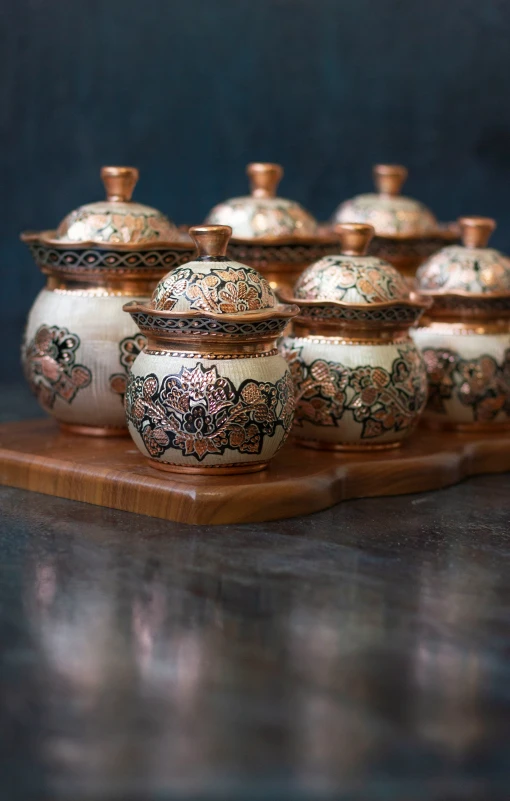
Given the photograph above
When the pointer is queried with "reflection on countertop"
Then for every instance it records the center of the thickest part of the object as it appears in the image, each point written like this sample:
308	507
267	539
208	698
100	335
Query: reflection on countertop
359	653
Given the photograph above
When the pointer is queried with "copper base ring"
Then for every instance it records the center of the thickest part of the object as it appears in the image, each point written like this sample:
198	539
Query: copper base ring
320	445
467	428
204	470
94	431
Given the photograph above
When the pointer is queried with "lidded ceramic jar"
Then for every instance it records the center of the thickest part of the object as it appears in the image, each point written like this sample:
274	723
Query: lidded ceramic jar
210	392
274	235
360	381
406	231
465	336
78	343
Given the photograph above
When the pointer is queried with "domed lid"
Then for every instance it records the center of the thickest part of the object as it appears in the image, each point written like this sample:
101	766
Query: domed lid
117	219
352	277
470	268
389	212
213	283
262	214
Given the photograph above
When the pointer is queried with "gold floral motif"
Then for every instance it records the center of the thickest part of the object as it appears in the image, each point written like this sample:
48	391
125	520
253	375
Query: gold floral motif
225	289
340	278
129	348
379	400
480	383
49	362
200	412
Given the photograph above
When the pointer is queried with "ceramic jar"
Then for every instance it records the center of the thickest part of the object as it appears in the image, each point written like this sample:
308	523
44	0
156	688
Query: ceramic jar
78	343
465	336
406	231
210	392
271	234
360	382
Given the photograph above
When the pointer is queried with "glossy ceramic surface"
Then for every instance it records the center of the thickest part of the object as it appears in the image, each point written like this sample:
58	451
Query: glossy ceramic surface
261	214
210	392
76	354
465	338
117	219
471	268
79	344
359	380
388	211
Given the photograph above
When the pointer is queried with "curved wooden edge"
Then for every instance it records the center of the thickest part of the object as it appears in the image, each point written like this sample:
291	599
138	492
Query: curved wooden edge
35	455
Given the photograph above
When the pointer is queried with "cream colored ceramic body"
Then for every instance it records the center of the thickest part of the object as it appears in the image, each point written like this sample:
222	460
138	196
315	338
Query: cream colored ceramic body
465	338
206	411
468	372
355	394
76	353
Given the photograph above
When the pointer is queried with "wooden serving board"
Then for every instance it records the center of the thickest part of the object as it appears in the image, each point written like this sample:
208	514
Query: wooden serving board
35	455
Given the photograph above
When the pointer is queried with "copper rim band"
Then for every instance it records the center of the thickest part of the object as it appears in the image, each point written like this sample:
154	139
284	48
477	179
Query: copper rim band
208	343
209	470
465	327
102	286
321	445
350	333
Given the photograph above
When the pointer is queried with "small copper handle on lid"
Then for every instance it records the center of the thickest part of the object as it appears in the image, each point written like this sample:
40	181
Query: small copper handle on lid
389	178
119	182
354	238
264	178
211	240
476	231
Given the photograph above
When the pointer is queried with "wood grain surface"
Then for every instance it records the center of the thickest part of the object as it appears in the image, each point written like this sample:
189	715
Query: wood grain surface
35	455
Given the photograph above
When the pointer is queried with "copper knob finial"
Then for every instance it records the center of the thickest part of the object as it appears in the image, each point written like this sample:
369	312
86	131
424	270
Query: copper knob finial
211	240
264	178
354	238
389	178
119	182
476	231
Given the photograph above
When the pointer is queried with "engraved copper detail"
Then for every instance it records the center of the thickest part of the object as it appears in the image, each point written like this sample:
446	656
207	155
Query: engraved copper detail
379	400
199	412
50	365
479	383
129	349
225	288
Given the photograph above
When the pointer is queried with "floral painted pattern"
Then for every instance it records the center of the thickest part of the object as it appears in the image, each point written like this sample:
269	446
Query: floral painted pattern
223	289
50	366
388	214
252	218
99	223
481	383
340	278
200	412
379	400
457	268
129	348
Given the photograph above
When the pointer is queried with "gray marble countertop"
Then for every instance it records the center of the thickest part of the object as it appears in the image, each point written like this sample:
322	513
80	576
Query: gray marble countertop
359	653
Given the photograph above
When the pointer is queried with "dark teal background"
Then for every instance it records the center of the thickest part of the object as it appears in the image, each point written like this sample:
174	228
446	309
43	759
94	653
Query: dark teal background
190	91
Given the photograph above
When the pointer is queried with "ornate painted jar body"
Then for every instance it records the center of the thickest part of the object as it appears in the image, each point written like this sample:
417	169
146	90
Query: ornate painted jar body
465	337
79	344
210	393
360	381
406	231
273	235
